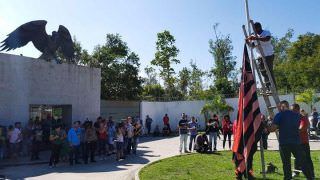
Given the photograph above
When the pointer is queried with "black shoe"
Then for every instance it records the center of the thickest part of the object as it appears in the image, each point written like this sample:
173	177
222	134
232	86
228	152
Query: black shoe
93	161
78	162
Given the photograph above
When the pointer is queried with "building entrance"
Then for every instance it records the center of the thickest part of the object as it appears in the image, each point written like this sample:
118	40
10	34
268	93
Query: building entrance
62	113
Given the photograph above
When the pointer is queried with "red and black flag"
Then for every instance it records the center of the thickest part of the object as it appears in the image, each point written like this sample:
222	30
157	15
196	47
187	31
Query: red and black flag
248	126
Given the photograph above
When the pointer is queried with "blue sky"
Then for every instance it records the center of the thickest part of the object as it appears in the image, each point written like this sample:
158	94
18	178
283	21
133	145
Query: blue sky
139	21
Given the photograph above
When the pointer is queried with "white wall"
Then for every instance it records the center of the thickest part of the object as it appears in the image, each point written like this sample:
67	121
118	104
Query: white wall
174	109
119	109
25	81
156	110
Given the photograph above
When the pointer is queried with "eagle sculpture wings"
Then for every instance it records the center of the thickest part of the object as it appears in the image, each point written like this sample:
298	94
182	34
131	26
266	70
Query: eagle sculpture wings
35	31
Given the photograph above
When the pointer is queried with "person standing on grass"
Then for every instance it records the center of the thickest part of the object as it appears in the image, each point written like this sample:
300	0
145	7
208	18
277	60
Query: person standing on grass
265	133
166	122
288	123
183	132
304	137
193	126
226	130
148	124
213	127
315	118
56	139
74	137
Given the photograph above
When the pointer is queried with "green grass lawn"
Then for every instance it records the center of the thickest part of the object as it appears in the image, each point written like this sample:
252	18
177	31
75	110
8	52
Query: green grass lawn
213	166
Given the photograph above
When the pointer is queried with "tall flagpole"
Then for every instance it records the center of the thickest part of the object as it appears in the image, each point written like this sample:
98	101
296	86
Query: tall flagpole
249	30
254	76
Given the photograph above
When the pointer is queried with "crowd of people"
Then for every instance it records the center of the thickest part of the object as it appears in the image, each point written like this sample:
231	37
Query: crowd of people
78	144
204	141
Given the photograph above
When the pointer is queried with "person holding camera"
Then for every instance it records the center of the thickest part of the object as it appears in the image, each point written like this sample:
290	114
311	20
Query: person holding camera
213	128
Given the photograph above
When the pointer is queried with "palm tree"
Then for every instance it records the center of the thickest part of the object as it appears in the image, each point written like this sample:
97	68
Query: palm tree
308	97
217	105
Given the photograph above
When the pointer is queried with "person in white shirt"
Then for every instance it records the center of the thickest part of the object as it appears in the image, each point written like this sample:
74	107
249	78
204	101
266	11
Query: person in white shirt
264	37
15	138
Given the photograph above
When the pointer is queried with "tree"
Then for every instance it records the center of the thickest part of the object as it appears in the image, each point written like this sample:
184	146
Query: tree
151	78
184	76
119	69
281	46
153	92
309	97
224	72
165	56
196	88
218	105
299	70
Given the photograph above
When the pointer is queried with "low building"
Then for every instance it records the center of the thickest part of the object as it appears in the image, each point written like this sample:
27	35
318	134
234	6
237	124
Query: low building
33	89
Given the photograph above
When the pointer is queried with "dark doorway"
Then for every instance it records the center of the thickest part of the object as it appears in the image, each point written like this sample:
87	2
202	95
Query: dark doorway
43	112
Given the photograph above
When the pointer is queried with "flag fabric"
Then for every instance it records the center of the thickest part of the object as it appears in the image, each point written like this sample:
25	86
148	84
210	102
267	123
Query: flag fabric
248	124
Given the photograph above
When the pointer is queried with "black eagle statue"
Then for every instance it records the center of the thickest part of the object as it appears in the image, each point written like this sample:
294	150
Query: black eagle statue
35	31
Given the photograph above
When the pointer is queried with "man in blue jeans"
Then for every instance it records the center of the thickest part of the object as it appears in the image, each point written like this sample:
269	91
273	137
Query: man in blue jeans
74	136
193	126
288	123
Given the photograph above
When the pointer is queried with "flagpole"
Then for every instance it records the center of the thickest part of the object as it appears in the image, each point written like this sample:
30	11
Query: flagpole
249	30
254	77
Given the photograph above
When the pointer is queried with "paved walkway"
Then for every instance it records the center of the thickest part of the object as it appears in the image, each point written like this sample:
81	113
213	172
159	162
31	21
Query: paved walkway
151	150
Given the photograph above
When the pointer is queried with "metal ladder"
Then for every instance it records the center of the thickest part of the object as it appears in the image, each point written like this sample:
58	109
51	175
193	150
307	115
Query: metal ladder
265	94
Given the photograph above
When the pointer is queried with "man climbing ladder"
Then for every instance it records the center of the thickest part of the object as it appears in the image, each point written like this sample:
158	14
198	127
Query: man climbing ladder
264	37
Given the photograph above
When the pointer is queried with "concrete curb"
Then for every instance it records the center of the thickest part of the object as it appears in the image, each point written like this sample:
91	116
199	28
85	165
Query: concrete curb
136	176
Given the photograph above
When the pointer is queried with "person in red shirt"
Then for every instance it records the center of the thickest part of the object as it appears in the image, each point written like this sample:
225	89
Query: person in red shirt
304	138
226	130
166	122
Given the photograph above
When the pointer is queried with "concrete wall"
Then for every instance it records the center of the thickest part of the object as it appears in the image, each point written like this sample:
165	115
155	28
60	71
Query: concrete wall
25	81
119	109
156	110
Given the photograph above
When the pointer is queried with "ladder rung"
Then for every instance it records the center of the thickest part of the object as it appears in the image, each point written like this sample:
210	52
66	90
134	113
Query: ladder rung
272	107
266	93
